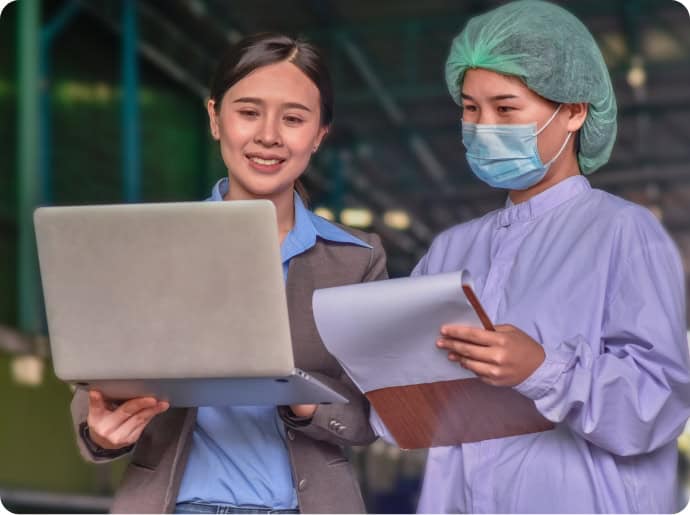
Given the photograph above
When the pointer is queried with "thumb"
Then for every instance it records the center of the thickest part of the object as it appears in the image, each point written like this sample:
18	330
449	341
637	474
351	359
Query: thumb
96	403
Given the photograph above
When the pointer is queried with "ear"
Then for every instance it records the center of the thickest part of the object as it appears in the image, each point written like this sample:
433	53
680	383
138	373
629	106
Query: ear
323	131
577	113
213	119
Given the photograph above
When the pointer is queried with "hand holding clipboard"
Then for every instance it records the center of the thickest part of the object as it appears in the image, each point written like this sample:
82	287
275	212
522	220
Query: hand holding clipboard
505	358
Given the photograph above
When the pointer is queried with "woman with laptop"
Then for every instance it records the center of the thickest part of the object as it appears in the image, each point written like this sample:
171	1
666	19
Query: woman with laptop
270	107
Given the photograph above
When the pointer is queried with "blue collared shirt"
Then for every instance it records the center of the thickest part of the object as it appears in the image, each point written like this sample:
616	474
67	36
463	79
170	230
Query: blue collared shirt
239	454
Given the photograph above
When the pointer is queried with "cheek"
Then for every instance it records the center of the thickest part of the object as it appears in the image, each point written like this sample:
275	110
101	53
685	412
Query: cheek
235	135
548	145
300	143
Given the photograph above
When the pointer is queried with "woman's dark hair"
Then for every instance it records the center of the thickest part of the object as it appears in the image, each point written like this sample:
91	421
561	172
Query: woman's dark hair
266	48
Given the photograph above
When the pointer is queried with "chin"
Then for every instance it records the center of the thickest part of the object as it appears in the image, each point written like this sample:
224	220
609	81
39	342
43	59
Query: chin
262	189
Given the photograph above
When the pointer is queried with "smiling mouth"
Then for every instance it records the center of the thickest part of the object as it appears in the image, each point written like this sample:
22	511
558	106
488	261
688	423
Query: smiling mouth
265	161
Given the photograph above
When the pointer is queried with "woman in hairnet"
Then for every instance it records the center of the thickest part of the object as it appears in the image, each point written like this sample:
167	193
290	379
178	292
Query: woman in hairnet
587	287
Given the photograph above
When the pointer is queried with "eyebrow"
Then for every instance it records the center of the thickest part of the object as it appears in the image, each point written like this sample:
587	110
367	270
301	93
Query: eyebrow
495	97
258	101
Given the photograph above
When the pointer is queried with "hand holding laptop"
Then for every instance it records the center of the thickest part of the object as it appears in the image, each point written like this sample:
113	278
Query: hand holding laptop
117	426
304	410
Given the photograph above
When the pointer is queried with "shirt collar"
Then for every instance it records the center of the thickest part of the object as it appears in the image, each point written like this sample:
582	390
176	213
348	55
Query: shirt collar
543	202
219	190
308	226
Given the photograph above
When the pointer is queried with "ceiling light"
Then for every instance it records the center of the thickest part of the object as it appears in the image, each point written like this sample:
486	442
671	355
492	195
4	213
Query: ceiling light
356	217
27	370
397	219
324	212
636	74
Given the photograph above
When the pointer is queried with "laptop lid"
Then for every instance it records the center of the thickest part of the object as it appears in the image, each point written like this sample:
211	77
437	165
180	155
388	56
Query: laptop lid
174	290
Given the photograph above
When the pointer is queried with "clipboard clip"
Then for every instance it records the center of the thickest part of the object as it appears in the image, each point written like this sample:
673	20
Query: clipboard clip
468	289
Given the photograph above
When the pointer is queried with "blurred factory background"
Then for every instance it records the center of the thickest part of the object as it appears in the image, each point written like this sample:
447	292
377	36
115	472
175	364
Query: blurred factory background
103	101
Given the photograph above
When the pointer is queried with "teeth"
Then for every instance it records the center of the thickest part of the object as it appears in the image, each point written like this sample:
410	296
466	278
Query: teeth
265	161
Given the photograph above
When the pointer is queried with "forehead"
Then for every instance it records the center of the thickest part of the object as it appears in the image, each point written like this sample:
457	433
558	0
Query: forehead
277	83
479	83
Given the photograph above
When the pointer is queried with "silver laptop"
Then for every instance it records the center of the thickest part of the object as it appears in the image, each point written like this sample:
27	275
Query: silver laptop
182	301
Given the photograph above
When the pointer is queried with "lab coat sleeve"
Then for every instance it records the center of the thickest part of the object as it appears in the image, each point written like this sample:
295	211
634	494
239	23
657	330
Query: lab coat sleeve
630	392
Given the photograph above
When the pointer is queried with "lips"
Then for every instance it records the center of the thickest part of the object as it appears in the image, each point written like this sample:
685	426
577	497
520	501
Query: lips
265	158
265	162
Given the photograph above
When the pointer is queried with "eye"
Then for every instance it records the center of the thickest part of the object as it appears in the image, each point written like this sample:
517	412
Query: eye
505	109
249	113
469	108
293	120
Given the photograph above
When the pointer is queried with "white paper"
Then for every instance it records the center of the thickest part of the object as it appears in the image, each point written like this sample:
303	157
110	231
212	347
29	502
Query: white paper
384	333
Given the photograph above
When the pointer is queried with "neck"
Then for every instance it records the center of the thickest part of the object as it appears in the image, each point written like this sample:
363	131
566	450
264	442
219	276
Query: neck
283	201
565	166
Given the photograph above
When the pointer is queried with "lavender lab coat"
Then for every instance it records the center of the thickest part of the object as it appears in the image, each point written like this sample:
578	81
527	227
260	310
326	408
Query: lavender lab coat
598	282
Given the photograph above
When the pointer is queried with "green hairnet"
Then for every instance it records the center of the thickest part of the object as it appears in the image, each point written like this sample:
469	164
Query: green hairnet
554	54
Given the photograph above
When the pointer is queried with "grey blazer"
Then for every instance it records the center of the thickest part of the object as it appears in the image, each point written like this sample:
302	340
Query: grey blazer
323	476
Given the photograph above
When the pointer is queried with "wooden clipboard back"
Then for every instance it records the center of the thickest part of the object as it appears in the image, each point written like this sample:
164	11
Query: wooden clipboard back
454	412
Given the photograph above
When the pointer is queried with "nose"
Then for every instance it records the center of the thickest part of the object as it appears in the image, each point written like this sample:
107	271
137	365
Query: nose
479	116
486	117
268	134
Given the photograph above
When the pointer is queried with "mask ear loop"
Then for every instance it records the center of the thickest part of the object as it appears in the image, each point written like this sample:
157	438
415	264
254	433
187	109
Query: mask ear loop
564	143
567	138
549	120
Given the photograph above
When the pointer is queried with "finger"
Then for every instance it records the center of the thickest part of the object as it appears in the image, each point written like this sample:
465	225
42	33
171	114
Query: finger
468	334
303	410
120	436
134	436
124	412
505	328
97	406
134	406
469	350
487	372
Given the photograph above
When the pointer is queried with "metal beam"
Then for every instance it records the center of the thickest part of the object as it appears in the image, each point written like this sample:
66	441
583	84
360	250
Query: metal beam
131	165
48	34
452	20
417	144
30	312
157	58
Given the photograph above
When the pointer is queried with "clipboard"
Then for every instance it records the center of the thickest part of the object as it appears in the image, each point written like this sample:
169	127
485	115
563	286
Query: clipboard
449	406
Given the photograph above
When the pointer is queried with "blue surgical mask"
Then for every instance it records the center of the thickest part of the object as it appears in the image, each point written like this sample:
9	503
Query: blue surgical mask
506	156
